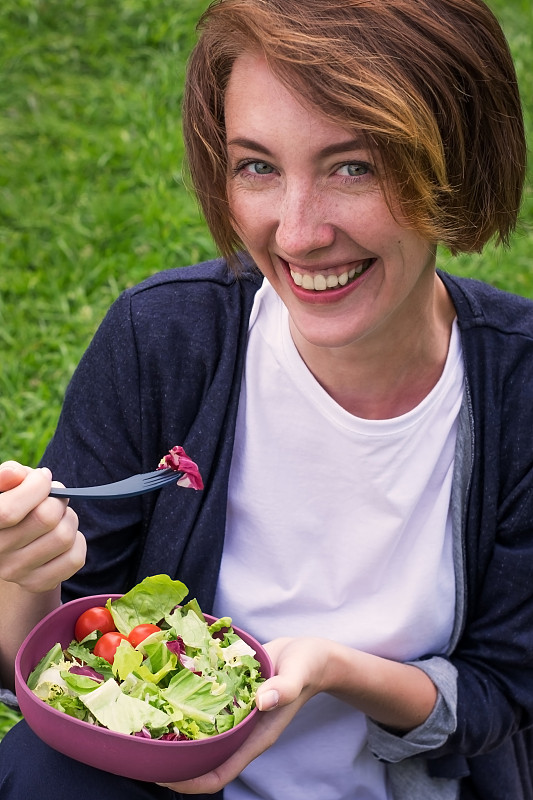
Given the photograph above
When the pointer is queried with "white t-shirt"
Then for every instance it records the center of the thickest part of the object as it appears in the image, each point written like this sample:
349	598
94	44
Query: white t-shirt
337	527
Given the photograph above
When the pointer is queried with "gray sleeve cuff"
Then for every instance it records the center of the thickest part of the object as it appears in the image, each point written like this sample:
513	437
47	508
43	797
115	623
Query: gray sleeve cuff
434	731
8	698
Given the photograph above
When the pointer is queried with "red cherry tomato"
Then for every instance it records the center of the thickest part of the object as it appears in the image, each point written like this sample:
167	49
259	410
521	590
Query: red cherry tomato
97	618
107	645
141	632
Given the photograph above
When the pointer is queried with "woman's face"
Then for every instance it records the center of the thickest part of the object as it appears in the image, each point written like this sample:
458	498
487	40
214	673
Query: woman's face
307	204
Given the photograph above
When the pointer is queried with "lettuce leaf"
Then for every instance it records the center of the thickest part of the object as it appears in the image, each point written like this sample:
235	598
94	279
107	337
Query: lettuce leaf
194	696
53	656
50	683
122	713
158	663
149	601
126	660
220	624
72	706
192	630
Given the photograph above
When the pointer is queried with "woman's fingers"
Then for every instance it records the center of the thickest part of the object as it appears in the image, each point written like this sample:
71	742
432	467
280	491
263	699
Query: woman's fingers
40	544
11	474
54	571
22	489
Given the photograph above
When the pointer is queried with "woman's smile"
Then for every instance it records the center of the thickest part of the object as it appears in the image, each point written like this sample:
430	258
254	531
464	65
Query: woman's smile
327	280
322	286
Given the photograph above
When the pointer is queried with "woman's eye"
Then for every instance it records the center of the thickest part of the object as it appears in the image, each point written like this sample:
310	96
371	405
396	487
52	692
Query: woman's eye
354	169
257	168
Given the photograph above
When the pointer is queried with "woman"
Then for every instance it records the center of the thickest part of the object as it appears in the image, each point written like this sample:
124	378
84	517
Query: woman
357	416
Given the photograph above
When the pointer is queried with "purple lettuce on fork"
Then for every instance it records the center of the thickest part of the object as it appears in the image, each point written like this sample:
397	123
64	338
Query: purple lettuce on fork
178	460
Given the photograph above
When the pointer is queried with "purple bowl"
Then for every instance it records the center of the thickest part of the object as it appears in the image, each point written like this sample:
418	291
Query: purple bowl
129	756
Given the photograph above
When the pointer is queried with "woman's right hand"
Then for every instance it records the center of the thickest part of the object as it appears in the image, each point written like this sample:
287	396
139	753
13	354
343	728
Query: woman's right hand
40	544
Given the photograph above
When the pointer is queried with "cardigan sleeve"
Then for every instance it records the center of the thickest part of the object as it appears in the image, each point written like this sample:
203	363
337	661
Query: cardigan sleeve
391	747
163	369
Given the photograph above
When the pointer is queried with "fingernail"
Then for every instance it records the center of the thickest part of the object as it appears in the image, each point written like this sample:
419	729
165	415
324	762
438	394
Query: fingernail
268	700
46	471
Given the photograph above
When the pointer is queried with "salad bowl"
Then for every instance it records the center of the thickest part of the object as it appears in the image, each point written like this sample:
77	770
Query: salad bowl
127	755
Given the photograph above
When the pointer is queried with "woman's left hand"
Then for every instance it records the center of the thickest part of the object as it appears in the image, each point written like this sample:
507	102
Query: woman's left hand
299	665
398	695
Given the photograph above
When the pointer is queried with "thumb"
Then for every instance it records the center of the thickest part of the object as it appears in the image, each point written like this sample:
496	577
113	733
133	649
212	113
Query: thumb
12	474
267	698
280	690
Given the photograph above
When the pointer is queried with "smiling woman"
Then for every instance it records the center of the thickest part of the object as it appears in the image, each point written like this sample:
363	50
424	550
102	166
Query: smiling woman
357	415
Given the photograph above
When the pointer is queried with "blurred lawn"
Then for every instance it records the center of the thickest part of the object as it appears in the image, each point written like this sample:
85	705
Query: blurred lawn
92	197
511	269
91	191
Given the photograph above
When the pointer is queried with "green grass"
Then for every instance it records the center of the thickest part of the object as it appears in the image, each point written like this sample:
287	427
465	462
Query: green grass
92	196
8	717
512	268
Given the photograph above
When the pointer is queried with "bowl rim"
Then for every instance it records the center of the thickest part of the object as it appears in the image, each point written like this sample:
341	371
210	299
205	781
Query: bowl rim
22	686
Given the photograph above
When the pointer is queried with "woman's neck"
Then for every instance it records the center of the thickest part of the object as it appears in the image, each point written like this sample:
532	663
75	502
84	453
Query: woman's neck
386	375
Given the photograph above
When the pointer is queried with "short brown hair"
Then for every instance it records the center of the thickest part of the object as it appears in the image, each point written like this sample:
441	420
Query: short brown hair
430	83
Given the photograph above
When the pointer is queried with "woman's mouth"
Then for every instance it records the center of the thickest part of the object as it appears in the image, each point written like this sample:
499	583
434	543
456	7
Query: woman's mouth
322	281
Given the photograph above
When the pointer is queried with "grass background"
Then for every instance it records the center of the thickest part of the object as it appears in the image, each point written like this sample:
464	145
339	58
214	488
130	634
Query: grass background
92	195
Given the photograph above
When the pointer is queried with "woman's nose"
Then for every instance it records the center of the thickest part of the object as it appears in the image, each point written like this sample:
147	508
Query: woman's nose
302	225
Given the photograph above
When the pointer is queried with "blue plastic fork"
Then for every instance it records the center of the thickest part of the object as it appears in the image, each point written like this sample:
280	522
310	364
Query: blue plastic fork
129	487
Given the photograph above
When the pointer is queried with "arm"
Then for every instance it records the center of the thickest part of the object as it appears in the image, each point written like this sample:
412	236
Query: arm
397	695
40	546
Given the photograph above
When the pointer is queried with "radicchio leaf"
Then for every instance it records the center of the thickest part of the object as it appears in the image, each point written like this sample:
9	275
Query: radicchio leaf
178	460
89	672
178	648
173	737
143	734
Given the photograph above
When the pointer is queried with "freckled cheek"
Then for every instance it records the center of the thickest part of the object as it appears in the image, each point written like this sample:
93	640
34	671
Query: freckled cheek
251	220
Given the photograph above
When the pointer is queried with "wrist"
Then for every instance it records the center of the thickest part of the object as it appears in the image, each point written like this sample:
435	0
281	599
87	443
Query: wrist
340	666
392	693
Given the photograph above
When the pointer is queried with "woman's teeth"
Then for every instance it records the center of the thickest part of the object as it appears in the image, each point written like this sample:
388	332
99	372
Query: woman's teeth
319	282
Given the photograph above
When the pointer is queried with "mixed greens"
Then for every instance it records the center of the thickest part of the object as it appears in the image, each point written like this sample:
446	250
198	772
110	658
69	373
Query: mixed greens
186	680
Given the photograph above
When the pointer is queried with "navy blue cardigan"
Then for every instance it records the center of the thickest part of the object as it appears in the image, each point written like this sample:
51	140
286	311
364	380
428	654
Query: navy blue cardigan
164	369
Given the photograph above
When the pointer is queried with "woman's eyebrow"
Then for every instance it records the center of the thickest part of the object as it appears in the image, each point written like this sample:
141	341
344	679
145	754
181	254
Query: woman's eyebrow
330	149
249	144
344	147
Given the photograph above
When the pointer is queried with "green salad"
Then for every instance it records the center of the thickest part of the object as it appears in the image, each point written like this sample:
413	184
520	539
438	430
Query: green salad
146	665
